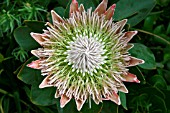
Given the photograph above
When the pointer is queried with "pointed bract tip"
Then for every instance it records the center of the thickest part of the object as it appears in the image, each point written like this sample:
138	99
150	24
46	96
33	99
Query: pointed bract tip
34	52
34	64
101	8
32	33
142	61
113	6
123	89
135	32
45	83
64	100
119	102
74	1
42	85
81	8
116	99
79	104
136	80
56	17
57	95
131	78
110	12
52	11
121	24
124	21
73	7
38	37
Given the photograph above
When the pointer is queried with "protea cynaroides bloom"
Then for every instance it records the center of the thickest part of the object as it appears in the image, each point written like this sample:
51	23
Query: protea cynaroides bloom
85	56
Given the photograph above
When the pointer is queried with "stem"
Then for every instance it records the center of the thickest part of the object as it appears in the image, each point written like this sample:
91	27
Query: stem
158	12
157	36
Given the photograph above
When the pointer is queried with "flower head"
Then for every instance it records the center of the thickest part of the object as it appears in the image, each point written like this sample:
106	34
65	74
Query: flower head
86	55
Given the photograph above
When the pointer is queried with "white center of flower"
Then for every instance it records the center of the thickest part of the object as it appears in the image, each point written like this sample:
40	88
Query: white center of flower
85	54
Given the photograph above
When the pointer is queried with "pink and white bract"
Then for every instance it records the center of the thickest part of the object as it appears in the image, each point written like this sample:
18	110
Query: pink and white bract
85	56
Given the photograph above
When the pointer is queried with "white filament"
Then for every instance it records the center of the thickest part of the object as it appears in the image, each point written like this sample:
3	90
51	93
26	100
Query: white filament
85	54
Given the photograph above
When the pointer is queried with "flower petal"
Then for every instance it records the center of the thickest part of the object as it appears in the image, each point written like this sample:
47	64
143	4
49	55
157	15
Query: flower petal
79	104
35	53
115	98
38	37
123	89
129	46
109	13
34	64
57	94
131	77
120	24
101	8
73	6
45	83
95	99
134	61
129	35
56	17
64	100
81	8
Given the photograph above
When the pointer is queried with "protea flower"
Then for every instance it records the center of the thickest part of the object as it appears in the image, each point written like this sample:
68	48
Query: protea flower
85	56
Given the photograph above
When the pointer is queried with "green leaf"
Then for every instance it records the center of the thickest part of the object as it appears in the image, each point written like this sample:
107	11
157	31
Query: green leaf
142	98
43	97
17	101
27	90
159	103
96	2
148	23
1	104
35	26
24	39
167	98
167	73
134	11
66	13
157	111
163	2
45	109
28	75
109	107
86	4
143	52
158	81
159	29
151	91
1	70
168	29
60	11
6	104
1	58
123	99
63	2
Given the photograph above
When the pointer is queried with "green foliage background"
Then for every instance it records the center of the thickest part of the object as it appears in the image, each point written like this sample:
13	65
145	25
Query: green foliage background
19	92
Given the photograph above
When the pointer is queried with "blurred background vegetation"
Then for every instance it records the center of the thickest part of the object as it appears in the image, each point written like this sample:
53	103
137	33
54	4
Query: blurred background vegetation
19	94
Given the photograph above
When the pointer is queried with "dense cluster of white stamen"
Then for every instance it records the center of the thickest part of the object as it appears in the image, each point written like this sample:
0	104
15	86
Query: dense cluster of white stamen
85	54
